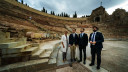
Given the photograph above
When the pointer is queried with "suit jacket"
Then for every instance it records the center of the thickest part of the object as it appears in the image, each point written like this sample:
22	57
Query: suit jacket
73	40
83	41
99	39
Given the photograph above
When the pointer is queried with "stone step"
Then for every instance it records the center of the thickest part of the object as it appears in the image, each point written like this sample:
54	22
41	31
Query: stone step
40	52
32	49
52	61
8	40
15	49
29	66
55	52
10	55
35	44
17	54
45	54
36	54
19	58
8	45
24	46
4	35
11	44
53	56
49	49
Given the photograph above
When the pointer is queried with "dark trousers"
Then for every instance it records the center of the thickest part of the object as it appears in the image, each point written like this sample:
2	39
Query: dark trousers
95	50
84	51
64	55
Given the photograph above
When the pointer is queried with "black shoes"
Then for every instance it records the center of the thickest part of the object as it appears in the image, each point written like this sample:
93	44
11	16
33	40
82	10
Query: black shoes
91	64
74	59
84	62
98	67
79	61
70	64
71	60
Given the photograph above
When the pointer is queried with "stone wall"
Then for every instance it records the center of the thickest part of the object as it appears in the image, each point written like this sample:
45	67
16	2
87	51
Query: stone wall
98	15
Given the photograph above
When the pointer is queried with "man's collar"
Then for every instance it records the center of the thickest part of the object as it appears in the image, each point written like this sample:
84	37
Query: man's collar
95	32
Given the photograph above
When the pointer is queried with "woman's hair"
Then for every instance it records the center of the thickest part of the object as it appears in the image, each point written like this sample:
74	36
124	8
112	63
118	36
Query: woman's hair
66	31
73	29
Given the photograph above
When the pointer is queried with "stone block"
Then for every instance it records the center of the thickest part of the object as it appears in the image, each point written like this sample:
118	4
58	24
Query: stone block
15	49
31	49
19	69
45	55
8	45
5	71
7	35
10	51
11	60
35	44
0	61
31	68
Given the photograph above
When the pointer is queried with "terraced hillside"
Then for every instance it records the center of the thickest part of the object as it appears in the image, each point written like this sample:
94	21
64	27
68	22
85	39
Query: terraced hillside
13	16
16	16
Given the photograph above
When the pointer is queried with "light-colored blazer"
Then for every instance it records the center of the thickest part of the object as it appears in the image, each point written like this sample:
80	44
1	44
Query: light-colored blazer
65	42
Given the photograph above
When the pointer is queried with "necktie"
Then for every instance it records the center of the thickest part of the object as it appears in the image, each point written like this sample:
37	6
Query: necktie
81	35
93	37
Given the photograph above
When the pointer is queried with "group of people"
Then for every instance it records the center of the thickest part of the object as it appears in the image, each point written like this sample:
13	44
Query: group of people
73	40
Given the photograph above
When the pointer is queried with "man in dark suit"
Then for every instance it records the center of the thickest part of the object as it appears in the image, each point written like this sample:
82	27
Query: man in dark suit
73	42
83	42
96	39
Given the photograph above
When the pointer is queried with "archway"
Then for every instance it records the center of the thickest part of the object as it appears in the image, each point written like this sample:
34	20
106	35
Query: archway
97	19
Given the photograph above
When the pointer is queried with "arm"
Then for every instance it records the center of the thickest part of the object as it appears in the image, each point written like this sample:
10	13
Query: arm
101	38
70	39
77	39
62	42
86	39
90	38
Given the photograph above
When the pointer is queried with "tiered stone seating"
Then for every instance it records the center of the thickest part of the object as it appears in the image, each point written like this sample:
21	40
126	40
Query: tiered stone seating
45	58
50	31
47	53
42	54
45	26
15	51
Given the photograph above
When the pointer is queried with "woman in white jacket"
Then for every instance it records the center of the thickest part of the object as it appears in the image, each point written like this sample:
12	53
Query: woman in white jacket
65	41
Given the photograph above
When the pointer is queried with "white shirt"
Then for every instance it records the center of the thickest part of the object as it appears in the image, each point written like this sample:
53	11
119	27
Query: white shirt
82	34
65	42
74	35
